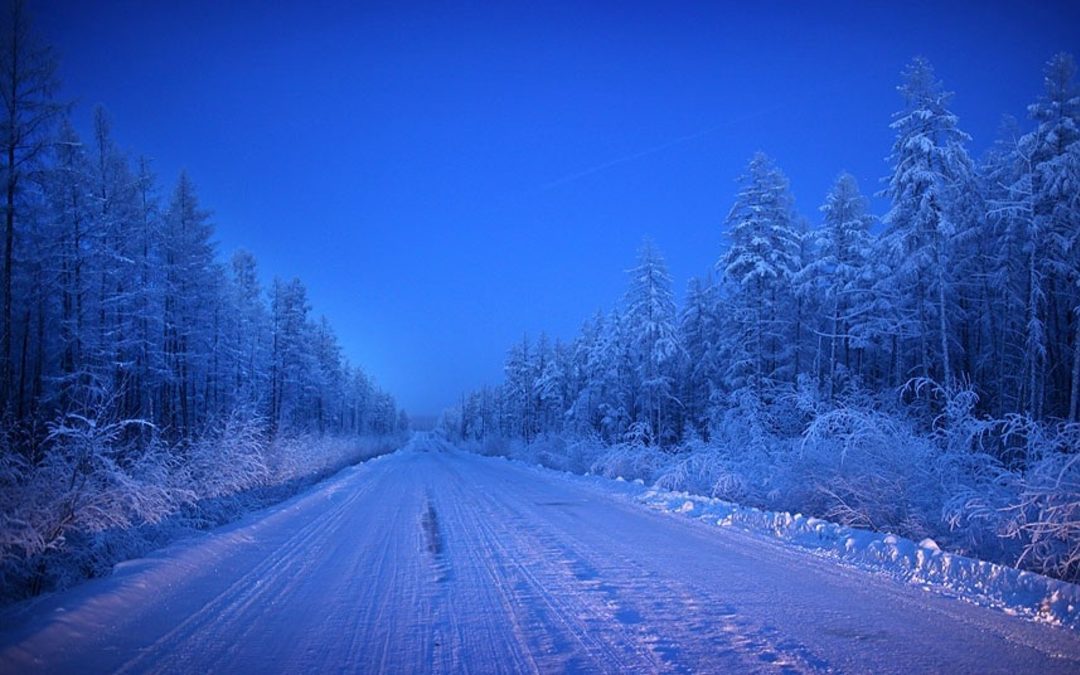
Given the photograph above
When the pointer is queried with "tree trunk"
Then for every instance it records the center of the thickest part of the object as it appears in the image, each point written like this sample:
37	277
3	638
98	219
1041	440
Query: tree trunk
943	327
1074	398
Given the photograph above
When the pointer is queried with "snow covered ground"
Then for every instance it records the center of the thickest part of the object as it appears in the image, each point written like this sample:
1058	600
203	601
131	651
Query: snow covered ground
433	560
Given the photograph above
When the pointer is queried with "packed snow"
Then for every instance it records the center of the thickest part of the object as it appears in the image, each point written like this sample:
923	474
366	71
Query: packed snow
436	560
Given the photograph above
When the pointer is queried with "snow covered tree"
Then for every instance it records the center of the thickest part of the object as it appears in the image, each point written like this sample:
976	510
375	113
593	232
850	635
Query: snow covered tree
28	85
930	167
251	326
188	270
837	270
551	387
757	270
583	407
699	330
290	356
651	321
329	376
1051	179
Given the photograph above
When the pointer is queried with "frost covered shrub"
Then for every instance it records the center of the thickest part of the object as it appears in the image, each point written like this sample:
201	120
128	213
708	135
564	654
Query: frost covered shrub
18	537
1046	518
101	483
489	446
495	446
697	468
743	420
631	461
90	481
229	459
866	469
749	452
978	494
582	453
548	451
100	493
977	489
313	456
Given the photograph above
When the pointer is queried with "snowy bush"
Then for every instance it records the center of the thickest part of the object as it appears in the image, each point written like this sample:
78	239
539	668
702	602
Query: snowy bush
90	481
697	469
101	493
313	456
1046	518
582	453
549	451
229	459
495	446
979	492
631	461
863	468
102	483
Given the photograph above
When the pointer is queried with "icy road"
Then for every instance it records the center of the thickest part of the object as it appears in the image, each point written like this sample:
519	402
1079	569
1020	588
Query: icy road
432	560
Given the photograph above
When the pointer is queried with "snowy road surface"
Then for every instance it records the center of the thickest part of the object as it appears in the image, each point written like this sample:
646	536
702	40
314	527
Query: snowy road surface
437	561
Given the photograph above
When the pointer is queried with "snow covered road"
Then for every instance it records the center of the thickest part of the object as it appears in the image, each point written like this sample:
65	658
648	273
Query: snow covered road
439	561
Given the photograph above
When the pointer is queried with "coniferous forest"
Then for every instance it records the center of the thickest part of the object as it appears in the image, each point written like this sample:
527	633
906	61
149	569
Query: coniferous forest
917	372
145	380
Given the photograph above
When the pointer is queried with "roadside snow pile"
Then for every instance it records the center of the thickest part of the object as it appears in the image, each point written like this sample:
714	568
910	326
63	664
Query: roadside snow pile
1011	590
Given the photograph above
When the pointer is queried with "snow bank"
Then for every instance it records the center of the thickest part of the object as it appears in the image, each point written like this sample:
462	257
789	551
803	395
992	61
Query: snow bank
1018	592
1014	591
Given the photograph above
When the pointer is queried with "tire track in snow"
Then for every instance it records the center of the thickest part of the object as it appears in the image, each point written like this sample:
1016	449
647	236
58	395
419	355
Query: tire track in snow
444	562
672	625
259	590
731	600
549	600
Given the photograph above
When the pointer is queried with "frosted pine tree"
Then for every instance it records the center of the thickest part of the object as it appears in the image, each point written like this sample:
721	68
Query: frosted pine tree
291	359
839	268
518	389
699	331
1051	152
551	388
28	84
930	165
611	376
654	343
188	270
757	270
251	325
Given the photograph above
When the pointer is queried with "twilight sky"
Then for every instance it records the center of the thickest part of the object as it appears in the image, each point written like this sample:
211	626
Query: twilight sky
447	176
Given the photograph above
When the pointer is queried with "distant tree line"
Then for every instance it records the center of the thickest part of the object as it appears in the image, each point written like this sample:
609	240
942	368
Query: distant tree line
114	298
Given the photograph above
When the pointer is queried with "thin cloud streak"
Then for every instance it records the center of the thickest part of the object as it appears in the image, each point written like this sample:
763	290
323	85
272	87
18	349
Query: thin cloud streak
603	166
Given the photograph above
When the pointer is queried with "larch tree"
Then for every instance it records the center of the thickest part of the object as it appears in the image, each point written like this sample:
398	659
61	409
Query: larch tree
28	86
757	270
189	287
699	331
930	166
1051	181
651	320
845	249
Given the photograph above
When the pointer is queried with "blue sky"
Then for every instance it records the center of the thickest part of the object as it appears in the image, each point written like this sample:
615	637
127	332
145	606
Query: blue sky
447	176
